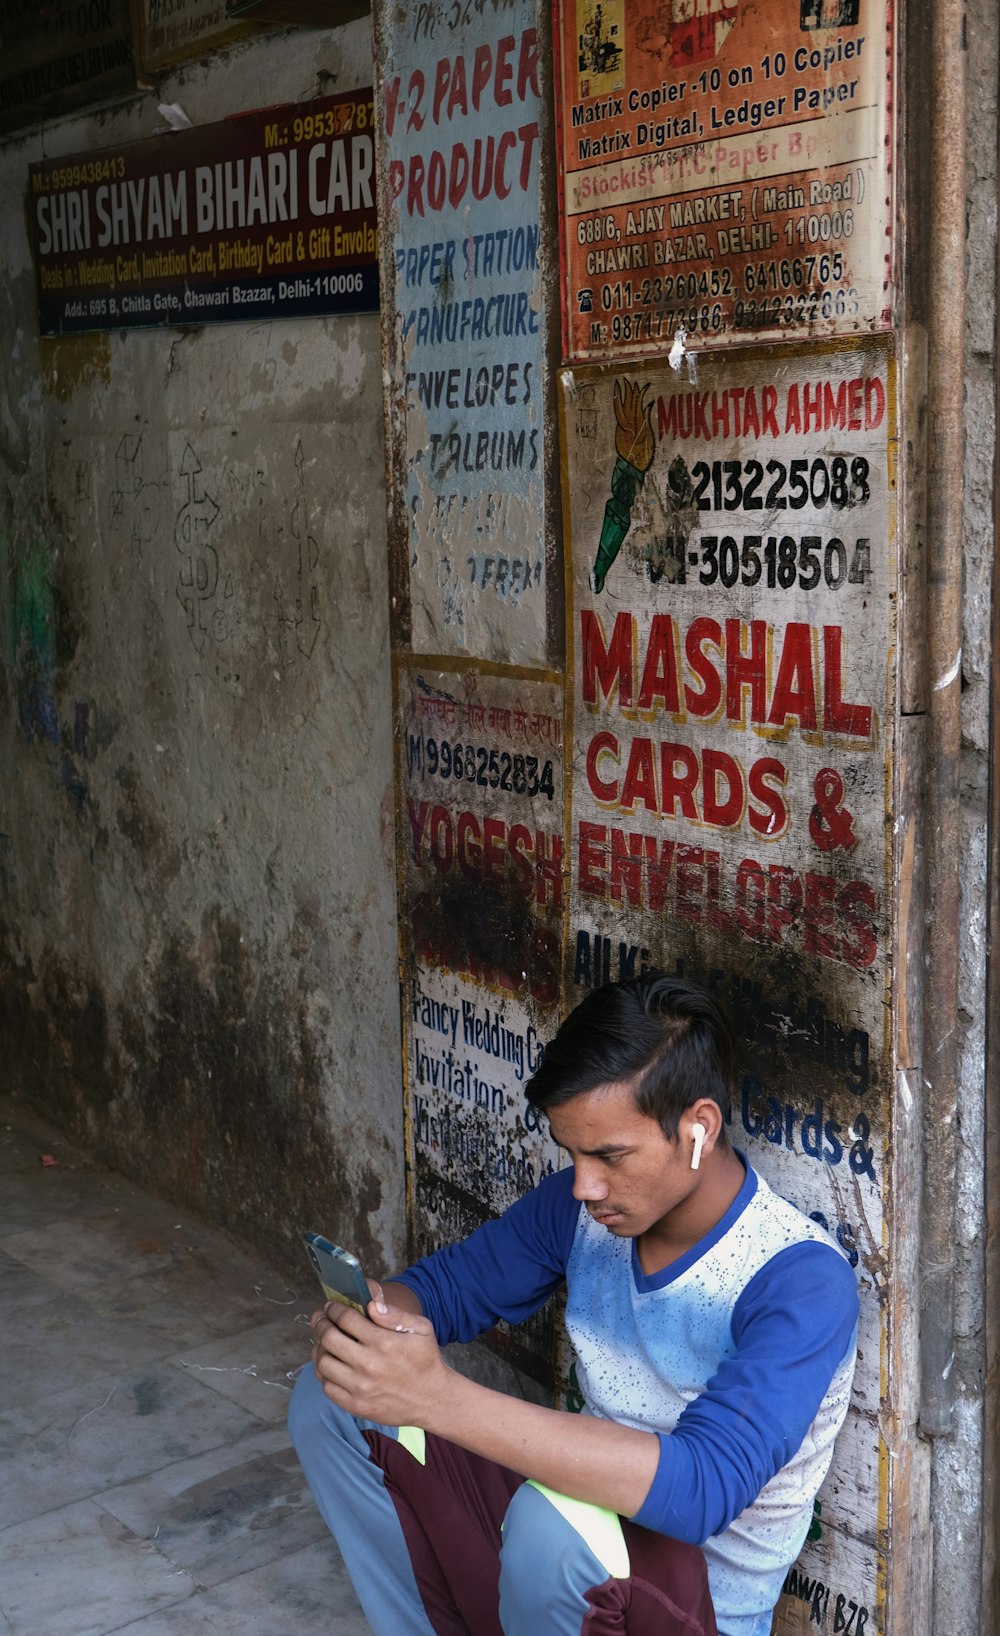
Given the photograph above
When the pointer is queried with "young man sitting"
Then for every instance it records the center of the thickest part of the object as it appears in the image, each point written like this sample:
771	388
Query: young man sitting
714	1329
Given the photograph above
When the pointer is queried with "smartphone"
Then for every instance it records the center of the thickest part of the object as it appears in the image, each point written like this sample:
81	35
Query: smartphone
339	1272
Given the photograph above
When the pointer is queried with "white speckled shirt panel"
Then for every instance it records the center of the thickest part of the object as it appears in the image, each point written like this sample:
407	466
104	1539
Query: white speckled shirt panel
642	1355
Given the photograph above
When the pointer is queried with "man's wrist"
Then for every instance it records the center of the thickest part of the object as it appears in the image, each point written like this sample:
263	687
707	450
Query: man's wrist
452	1406
398	1294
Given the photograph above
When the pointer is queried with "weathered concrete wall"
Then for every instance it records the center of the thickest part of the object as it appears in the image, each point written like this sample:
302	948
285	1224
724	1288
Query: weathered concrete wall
198	966
198	947
957	1496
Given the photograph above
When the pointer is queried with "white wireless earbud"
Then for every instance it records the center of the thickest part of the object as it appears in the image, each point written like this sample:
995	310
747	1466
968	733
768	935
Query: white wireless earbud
699	1133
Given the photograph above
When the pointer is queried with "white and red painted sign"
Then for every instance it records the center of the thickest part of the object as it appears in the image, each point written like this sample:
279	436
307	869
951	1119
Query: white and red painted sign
461	100
482	888
732	605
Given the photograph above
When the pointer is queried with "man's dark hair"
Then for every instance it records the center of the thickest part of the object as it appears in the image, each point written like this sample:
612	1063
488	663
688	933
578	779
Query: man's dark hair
670	1037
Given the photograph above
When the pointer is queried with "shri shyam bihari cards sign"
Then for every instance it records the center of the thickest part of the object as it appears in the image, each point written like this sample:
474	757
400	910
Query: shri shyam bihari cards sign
268	215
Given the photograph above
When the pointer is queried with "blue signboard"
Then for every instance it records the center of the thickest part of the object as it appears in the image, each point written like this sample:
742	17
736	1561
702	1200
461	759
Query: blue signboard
269	215
460	105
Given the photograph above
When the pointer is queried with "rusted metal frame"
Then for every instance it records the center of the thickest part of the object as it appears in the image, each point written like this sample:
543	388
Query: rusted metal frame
947	95
990	1608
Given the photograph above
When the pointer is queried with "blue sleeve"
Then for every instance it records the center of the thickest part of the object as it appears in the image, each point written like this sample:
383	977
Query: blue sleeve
505	1269
792	1327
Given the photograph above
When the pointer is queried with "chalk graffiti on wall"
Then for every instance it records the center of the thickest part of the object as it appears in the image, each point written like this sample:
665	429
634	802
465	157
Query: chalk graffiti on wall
134	503
231	550
227	603
198	575
299	616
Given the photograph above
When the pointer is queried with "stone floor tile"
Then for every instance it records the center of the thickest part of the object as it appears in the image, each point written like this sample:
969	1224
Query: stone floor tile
304	1594
254	1367
94	1436
36	1196
24	1137
148	1484
82	1252
228	1290
59	1342
21	1287
224	1513
78	1571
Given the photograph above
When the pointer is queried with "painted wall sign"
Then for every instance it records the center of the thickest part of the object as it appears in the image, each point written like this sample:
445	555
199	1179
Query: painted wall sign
725	170
55	58
461	100
308	13
481	909
732	630
270	215
170	31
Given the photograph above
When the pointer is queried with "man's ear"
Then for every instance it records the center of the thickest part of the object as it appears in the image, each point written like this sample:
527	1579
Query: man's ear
707	1114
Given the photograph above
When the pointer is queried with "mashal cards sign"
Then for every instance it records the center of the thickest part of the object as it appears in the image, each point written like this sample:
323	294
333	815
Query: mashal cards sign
732	608
724	170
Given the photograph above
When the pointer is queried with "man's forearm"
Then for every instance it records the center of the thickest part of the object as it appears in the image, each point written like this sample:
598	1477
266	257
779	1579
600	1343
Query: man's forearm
392	1372
579	1455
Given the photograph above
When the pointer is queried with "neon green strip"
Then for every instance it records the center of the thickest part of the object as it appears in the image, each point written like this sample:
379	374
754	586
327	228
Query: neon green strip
414	1441
600	1529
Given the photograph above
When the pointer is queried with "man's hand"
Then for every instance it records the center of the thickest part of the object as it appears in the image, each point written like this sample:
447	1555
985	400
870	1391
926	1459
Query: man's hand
386	1367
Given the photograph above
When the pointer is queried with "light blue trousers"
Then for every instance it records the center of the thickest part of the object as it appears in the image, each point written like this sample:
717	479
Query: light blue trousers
440	1543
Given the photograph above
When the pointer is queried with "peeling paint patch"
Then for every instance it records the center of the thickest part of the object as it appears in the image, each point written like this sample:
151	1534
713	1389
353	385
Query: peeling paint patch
32	621
68	364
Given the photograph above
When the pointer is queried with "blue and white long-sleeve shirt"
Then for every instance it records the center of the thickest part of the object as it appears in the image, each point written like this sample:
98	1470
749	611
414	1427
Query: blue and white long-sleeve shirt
739	1356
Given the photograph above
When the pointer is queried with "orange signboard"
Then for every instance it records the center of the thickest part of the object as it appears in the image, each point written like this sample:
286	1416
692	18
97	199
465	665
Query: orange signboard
725	170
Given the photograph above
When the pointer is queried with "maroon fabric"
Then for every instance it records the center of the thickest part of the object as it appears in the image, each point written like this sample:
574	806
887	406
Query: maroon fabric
666	1595
451	1510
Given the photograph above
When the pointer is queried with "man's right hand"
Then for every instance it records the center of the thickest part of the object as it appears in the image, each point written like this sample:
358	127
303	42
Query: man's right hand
387	1368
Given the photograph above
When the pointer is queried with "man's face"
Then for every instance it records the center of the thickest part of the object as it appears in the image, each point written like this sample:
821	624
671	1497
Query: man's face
627	1173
